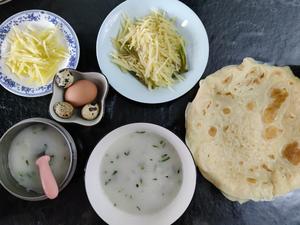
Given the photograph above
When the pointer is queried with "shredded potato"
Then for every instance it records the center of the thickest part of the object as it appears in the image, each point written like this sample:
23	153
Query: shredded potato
151	49
35	55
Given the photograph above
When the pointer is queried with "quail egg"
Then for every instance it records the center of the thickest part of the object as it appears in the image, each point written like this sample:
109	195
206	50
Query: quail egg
63	109
64	78
90	111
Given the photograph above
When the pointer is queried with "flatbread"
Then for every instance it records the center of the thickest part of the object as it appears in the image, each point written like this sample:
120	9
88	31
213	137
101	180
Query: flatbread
243	129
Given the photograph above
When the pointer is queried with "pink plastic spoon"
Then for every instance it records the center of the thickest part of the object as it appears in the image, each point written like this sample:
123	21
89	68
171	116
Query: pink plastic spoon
49	183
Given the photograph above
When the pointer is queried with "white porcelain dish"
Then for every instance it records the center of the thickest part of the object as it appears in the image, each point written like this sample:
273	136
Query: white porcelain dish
114	216
188	24
43	19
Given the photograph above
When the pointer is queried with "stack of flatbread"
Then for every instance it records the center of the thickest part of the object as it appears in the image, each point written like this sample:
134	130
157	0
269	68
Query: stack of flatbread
243	129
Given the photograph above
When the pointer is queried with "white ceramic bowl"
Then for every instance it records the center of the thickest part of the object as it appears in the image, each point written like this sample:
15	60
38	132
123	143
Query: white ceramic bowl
114	216
188	24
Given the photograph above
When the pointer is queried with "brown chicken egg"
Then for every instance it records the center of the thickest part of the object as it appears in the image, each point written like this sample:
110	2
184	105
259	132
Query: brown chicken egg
81	92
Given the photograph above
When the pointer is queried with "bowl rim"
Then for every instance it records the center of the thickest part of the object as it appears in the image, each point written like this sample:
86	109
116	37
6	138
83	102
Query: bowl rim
71	147
112	215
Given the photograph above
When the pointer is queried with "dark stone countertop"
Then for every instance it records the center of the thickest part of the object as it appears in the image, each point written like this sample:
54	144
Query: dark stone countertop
267	30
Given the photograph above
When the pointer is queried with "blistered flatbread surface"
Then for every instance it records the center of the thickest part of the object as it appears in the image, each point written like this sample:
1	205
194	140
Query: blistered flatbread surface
243	129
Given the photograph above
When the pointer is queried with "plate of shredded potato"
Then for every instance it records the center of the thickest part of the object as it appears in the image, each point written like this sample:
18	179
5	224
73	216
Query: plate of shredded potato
153	52
34	45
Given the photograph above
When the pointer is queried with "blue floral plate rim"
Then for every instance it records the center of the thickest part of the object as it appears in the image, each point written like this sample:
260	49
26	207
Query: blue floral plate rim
36	15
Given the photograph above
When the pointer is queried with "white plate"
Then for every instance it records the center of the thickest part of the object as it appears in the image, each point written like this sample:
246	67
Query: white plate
188	24
41	18
114	216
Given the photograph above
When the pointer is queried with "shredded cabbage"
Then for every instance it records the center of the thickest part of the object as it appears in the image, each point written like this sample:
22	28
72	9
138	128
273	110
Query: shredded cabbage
151	49
35	54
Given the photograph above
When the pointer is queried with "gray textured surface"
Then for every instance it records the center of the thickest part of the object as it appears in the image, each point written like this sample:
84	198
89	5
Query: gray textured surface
267	30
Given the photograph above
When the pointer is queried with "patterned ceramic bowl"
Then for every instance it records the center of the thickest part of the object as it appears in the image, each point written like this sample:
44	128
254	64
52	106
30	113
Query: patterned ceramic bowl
45	19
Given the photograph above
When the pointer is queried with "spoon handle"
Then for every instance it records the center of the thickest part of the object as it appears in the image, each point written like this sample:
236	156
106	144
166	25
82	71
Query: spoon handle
49	183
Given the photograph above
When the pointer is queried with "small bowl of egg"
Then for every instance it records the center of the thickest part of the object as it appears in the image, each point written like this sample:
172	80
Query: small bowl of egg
23	144
140	173
78	97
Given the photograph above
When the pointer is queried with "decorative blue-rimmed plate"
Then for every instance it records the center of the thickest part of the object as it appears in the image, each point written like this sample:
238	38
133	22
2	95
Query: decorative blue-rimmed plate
43	18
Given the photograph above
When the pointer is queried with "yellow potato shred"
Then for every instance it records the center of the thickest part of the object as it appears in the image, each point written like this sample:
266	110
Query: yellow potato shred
152	49
35	54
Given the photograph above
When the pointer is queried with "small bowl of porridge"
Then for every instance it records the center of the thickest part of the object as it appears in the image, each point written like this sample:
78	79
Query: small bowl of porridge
20	148
140	173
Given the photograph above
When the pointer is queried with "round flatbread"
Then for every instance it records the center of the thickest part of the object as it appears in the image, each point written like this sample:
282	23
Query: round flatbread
243	129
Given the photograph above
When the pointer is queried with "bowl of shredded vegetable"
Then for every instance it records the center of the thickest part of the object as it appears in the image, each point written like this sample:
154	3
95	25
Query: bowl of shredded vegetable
153	52
34	45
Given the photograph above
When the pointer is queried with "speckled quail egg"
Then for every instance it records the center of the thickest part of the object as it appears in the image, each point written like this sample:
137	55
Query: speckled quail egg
63	109
90	111
64	78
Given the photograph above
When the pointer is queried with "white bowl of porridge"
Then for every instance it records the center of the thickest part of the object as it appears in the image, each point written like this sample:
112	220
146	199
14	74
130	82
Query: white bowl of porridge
140	173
